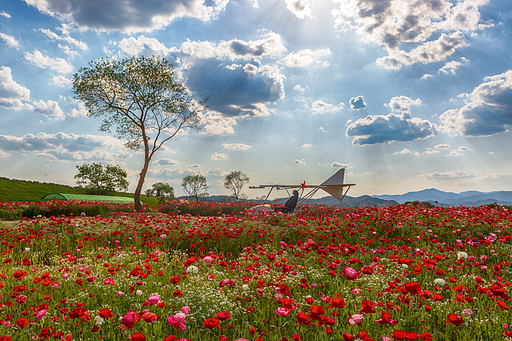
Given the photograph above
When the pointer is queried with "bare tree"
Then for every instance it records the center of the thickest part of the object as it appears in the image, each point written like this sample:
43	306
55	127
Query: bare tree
235	181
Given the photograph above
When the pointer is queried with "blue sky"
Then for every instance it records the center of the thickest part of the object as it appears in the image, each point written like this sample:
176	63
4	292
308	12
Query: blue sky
405	95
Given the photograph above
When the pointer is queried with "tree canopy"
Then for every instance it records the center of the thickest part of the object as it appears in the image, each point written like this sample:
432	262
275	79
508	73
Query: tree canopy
235	182
195	186
139	101
161	190
101	179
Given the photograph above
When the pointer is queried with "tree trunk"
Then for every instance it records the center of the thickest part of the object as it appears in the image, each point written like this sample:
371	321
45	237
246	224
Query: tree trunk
142	177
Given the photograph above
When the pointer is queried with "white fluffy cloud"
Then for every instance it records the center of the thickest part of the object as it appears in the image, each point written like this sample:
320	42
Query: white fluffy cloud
455	175
375	129
219	156
357	103
66	147
166	162
300	8
65	38
9	40
402	103
307	58
127	16
236	146
301	162
320	107
49	109
11	93
45	62
396	23
487	111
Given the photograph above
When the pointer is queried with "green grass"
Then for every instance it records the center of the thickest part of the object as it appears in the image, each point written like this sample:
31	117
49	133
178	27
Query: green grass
33	191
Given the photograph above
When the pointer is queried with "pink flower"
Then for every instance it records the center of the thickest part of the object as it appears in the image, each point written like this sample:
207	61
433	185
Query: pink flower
356	319
226	282
282	311
177	320
40	314
185	310
109	281
208	259
120	293
356	291
350	273
129	319
154	299
66	275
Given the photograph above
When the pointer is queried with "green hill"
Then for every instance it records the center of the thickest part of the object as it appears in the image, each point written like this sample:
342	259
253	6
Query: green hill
23	190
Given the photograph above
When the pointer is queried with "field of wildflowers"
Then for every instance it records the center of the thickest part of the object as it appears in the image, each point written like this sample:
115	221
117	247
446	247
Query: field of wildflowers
394	273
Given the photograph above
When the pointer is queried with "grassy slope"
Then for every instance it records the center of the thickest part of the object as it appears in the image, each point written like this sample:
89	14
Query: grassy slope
21	190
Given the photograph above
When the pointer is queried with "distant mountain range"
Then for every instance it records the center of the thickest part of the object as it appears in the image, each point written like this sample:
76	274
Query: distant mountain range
437	197
431	195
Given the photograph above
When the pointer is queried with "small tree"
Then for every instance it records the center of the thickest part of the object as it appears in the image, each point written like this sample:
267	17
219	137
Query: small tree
162	191
235	182
141	100
101	179
195	186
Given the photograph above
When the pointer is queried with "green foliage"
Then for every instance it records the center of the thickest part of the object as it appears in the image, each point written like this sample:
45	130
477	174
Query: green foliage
420	203
99	179
162	191
195	186
235	182
140	100
11	214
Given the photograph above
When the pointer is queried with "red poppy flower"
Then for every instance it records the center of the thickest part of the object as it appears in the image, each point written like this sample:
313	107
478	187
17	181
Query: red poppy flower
105	313
347	337
455	319
337	302
425	336
399	335
19	274
413	288
367	307
303	319
137	337
22	322
223	315
211	323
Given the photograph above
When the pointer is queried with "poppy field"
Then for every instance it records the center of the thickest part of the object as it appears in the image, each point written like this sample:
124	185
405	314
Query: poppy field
404	272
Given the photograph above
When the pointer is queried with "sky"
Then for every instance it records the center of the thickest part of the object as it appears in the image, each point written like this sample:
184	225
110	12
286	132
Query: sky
405	95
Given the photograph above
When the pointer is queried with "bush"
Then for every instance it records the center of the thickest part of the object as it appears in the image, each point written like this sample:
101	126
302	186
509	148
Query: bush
13	214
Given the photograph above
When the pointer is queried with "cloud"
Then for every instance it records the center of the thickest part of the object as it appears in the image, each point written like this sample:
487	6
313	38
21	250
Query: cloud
487	110
442	146
11	93
57	64
80	112
127	16
5	14
66	147
306	145
426	76
9	40
219	156
402	103
49	109
166	162
455	175
301	8
357	103
451	67
300	162
322	130
142	46
320	107
459	151
299	88
429	52
307	58
4	154
374	129
66	38
402	152
60	80
194	166
342	165
236	146
400	24
216	124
